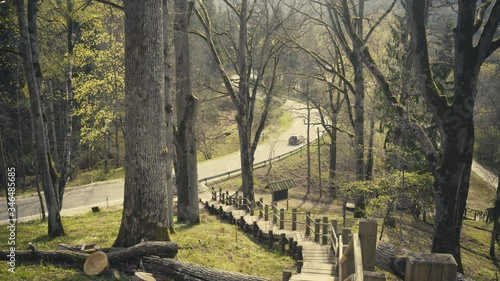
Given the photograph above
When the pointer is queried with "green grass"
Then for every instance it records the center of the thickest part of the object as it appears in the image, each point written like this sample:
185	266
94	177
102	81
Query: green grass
211	243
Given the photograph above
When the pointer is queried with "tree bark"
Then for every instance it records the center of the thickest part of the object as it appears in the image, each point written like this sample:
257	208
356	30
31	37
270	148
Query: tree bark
369	159
187	106
168	118
65	170
55	227
144	205
164	269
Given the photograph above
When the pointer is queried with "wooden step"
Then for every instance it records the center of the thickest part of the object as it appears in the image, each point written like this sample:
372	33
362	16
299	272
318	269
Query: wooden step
313	277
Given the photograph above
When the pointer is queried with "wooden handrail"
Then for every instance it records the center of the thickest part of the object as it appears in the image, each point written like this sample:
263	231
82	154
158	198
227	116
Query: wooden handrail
358	258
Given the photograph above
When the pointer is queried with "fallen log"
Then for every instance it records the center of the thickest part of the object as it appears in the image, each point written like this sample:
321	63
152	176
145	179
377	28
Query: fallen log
77	259
184	271
150	248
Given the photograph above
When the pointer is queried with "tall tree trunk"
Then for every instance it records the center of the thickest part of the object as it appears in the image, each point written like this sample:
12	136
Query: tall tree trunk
244	126
19	126
359	112
245	157
187	106
369	159
308	139
117	146
36	170
55	227
168	118
65	170
495	221
333	160
144	204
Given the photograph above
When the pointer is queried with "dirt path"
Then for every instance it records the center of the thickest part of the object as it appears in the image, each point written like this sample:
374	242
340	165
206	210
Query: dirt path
485	174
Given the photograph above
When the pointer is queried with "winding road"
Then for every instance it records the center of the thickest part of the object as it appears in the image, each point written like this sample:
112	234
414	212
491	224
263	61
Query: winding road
80	199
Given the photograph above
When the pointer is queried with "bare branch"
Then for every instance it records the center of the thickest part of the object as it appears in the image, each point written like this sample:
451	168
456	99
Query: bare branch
485	45
111	4
379	20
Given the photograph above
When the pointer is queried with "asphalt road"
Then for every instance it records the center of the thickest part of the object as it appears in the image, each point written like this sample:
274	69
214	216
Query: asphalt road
80	199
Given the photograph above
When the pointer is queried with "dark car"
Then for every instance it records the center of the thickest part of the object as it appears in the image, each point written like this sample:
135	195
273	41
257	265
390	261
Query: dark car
295	140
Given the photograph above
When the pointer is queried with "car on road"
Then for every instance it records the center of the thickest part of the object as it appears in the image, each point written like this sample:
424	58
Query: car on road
295	140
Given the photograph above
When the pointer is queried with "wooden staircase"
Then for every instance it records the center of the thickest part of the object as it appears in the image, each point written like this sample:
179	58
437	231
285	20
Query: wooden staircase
318	261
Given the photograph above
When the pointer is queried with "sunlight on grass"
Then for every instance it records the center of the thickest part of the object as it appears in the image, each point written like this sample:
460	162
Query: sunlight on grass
211	243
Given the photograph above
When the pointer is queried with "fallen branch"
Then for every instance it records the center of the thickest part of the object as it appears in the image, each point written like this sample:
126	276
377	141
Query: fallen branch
184	271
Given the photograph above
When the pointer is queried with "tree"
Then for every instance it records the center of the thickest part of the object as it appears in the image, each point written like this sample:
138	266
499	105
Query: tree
187	106
26	45
451	162
254	57
144	207
168	117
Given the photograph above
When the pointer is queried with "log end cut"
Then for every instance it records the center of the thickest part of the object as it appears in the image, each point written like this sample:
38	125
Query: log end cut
143	276
96	263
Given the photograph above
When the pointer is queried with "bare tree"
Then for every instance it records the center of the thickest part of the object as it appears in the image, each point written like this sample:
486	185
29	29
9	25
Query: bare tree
451	162
254	56
55	227
144	205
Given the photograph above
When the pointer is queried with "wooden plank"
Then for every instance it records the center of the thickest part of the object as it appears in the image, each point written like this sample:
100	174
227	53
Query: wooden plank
358	258
368	239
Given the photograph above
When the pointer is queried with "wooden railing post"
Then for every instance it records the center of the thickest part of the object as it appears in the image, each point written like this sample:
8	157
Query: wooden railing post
228	199
275	212
308	222
430	267
283	243
300	259
317	223
348	266
368	238
294	219
252	207
294	250
242	222
220	195
255	229
287	275
261	207
282	218
334	226
290	246
266	213
270	240
324	238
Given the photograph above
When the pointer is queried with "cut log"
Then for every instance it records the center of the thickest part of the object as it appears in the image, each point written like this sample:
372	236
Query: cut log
167	269
143	276
63	257
115	257
150	248
96	263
